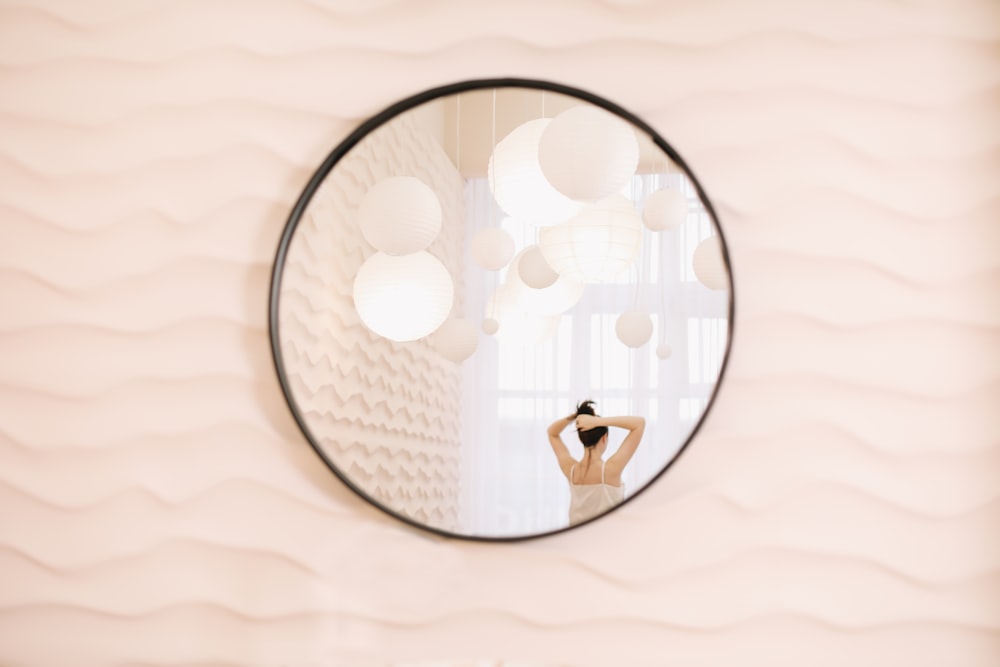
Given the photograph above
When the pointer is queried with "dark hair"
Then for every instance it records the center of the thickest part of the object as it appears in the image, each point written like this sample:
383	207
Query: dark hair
590	437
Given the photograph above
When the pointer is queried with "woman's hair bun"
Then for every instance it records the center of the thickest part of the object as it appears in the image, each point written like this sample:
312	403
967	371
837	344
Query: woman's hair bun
592	436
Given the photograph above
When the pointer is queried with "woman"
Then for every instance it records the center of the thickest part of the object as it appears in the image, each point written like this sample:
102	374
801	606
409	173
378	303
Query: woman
595	485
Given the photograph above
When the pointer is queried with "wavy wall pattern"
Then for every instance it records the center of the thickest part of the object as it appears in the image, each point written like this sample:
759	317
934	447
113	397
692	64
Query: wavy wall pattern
159	507
383	412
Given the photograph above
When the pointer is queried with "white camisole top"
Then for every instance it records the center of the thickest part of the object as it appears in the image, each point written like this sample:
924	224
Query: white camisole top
588	500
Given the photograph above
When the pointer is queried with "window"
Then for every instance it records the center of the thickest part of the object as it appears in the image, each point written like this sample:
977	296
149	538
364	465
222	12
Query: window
536	384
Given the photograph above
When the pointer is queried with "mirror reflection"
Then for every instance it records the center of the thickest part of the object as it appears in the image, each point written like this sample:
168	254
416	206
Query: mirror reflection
501	311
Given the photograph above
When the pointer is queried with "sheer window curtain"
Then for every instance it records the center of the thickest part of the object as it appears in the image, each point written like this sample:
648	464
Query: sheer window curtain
511	481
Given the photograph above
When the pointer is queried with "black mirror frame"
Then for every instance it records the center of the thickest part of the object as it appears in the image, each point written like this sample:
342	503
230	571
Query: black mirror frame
350	142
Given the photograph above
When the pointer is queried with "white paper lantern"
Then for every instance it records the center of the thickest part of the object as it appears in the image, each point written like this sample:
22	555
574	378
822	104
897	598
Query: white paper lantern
663	351
490	326
533	270
517	324
665	209
516	179
634	328
400	215
403	298
596	245
557	298
708	265
456	339
492	248
588	153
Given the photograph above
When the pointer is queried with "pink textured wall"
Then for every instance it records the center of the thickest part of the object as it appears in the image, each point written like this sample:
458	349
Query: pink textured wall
157	506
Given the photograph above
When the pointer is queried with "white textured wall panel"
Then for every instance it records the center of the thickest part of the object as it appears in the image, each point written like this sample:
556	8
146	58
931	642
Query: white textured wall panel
384	413
158	506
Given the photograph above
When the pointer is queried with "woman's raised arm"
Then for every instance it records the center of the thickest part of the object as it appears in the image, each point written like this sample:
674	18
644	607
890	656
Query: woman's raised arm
566	460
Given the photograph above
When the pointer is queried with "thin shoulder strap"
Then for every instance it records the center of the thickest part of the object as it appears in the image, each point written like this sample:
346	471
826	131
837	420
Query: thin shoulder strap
571	473
602	472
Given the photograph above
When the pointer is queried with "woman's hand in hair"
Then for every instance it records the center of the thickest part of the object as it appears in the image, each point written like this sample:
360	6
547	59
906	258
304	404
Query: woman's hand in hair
587	422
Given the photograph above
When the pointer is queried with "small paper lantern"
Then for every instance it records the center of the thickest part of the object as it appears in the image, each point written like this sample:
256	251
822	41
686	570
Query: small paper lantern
492	248
516	179
596	245
665	209
533	270
663	351
708	265
490	326
588	153
558	297
400	215
634	328
456	339
403	298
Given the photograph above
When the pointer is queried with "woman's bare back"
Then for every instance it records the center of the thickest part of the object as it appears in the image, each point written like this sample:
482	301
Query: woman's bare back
583	474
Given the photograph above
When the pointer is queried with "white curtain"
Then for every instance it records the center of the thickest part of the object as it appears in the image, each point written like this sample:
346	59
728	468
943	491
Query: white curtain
511	482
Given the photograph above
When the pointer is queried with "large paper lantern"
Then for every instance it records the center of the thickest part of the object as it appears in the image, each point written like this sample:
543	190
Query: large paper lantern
597	244
665	209
560	296
400	215
708	265
492	248
517	324
516	179
456	339
403	298
634	328
588	153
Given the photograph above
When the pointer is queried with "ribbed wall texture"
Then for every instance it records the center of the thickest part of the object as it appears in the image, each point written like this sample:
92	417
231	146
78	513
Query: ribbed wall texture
384	413
159	507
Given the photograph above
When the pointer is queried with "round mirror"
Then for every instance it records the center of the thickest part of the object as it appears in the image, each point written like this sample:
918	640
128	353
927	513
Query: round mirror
471	268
